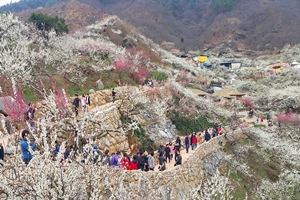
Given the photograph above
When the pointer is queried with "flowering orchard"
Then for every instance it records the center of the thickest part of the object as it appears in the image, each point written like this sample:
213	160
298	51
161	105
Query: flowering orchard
26	55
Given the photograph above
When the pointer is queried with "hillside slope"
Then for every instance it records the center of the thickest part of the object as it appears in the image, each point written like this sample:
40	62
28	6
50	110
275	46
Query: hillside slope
250	24
256	25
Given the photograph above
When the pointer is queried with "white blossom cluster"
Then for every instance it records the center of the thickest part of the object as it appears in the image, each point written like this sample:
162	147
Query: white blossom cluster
216	187
18	53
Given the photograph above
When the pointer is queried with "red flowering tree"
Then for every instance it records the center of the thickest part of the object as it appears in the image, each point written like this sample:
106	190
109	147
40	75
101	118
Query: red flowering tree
13	102
140	74
60	99
248	102
288	118
122	65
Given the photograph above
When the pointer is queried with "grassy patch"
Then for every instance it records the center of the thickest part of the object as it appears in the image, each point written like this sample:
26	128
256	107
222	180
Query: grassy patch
259	125
227	149
30	94
111	85
259	167
159	76
246	141
240	192
85	61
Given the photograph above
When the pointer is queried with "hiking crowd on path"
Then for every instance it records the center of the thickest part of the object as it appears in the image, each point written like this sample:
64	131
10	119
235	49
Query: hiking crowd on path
166	153
139	161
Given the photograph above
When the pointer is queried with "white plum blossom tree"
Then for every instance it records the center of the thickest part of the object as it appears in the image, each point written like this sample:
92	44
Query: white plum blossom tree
21	49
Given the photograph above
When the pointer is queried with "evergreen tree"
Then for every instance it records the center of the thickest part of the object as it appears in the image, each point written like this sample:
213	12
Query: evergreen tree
47	23
222	5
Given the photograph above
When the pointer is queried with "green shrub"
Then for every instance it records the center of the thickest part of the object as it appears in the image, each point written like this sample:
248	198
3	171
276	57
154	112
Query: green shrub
186	125
30	94
259	125
112	85
159	76
146	142
106	59
73	89
46	23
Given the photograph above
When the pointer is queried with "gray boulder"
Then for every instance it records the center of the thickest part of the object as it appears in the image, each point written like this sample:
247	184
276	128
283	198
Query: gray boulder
91	91
5	103
100	85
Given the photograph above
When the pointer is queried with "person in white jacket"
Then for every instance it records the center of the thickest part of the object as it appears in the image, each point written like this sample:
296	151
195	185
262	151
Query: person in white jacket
151	161
83	103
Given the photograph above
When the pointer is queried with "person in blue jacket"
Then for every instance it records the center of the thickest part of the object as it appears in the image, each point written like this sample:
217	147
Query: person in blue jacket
57	148
207	136
27	156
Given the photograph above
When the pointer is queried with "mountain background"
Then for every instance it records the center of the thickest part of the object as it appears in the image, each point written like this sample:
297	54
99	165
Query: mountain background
257	25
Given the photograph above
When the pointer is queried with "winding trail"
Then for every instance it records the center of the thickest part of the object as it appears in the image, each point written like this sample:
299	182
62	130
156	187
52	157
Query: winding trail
251	120
185	156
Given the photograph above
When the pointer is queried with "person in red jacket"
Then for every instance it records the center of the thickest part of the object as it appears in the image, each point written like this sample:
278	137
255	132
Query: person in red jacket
220	130
195	142
134	165
125	161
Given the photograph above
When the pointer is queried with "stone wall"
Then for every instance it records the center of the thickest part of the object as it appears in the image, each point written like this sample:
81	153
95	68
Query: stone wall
174	184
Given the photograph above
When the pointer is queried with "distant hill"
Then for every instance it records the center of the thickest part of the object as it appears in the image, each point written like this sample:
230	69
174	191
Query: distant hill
77	15
198	24
29	4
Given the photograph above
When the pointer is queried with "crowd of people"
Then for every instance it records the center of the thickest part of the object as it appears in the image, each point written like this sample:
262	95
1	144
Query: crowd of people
142	160
139	161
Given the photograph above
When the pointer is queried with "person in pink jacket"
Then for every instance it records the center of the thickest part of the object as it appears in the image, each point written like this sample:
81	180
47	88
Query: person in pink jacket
172	149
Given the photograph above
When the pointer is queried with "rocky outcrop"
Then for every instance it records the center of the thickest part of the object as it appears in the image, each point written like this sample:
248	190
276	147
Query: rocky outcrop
106	129
212	162
5	104
161	133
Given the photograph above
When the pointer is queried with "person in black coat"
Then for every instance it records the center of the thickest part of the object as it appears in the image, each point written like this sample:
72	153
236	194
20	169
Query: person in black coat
88	101
141	160
162	162
145	159
1	152
76	103
187	143
168	153
179	143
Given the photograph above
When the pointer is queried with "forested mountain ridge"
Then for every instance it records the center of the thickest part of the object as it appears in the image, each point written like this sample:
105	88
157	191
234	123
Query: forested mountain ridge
239	24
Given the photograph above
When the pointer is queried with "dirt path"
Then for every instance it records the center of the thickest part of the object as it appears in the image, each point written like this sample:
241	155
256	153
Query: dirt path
185	156
251	120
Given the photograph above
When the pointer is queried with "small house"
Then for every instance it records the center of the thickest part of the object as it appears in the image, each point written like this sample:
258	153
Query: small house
228	93
199	92
232	64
